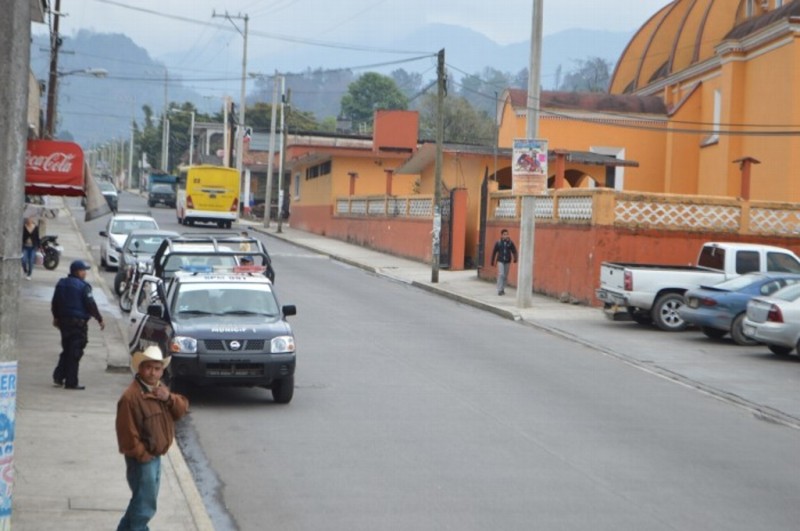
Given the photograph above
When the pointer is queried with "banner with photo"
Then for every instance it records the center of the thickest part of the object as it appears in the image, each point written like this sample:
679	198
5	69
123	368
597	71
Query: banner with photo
529	167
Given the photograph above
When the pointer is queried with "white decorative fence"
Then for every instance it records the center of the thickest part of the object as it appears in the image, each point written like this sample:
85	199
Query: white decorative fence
415	206
654	211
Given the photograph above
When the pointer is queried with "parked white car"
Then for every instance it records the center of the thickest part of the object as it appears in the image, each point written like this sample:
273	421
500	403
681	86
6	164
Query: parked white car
775	320
115	234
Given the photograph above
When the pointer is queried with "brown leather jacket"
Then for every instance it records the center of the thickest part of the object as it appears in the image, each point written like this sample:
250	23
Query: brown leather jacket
146	425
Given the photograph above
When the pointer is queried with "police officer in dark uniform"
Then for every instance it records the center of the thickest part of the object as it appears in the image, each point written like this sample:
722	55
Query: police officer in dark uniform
72	306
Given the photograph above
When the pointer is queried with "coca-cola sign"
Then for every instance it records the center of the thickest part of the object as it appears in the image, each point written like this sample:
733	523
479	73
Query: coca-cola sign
53	168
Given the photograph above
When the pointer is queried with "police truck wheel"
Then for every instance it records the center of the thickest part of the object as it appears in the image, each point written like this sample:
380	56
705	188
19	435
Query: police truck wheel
283	390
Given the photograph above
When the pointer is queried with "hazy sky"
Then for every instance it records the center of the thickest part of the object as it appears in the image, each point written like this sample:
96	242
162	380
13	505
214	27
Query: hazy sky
157	26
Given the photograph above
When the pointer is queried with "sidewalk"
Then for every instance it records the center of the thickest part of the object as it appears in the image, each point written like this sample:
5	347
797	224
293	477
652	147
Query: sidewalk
69	474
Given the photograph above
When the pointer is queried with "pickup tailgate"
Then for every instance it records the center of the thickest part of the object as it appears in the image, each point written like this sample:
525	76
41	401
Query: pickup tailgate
612	276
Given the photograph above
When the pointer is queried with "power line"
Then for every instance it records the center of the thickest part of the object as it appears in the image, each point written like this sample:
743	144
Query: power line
273	36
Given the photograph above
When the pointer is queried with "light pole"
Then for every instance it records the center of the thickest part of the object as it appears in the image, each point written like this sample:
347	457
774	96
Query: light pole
52	94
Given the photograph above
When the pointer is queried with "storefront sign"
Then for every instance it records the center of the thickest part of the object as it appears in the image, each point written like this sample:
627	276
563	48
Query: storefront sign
53	168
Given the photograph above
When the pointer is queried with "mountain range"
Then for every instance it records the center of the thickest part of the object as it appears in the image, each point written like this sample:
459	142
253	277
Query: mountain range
93	111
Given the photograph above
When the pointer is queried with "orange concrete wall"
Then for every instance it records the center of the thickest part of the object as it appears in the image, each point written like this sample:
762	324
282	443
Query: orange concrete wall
646	147
772	98
396	129
567	257
683	150
409	238
459	220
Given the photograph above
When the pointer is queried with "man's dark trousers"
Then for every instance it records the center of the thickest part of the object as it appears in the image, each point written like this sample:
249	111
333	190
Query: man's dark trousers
74	337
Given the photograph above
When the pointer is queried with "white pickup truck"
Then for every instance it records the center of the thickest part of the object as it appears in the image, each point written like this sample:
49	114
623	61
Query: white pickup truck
652	293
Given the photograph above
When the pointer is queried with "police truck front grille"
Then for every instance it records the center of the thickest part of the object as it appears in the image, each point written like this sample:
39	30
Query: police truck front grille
225	345
214	344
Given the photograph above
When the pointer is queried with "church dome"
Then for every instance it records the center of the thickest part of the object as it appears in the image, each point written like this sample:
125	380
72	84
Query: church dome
681	34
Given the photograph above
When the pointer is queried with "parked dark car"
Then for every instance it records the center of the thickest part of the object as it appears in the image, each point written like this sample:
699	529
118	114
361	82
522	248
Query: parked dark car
163	194
720	309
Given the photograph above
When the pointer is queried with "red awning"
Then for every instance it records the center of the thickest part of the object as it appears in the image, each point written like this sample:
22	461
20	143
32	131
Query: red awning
53	168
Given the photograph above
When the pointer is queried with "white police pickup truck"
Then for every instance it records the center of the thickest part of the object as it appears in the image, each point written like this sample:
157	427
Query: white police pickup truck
652	293
221	328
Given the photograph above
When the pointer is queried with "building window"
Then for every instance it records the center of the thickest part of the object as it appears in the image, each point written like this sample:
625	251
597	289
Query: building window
312	172
715	127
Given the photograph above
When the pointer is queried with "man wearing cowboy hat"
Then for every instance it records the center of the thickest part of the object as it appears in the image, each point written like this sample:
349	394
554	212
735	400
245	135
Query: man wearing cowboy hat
146	415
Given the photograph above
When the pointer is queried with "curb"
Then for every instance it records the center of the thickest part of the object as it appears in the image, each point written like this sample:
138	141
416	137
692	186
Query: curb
183	475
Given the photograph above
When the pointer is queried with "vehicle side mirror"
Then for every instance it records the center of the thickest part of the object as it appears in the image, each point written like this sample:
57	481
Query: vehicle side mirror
104	234
155	310
289	309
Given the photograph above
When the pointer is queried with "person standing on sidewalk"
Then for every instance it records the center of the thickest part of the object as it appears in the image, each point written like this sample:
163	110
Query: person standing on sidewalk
146	415
504	251
30	244
72	307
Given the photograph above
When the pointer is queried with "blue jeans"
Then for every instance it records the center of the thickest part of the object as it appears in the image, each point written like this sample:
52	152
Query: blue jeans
502	275
28	259
144	480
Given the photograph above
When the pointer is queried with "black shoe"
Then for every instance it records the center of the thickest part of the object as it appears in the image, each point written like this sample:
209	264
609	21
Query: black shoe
501	292
56	383
75	387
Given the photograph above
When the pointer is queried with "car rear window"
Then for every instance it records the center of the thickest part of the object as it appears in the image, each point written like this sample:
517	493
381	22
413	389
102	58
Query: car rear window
162	189
789	293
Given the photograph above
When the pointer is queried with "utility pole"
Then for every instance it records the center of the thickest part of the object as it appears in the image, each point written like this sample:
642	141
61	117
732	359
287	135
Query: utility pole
437	181
527	228
55	44
165	127
15	54
272	125
226	152
242	105
285	100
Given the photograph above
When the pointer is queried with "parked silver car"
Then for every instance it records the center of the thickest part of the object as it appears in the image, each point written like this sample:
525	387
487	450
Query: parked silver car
775	320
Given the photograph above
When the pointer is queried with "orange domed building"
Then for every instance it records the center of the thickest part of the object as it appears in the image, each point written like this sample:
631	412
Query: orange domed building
728	74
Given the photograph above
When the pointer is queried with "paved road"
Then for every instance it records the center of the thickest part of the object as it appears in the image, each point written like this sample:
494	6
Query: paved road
415	412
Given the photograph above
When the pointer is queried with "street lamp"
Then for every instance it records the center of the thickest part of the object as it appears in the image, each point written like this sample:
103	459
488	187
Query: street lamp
191	134
52	93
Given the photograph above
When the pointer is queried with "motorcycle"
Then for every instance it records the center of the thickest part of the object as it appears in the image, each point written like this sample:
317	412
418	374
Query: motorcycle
51	251
129	286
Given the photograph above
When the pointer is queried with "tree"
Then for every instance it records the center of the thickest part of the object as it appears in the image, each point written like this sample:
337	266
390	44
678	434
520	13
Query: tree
462	122
409	83
369	93
259	116
589	75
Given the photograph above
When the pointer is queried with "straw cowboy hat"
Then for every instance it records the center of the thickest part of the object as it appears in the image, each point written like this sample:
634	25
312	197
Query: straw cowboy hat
151	353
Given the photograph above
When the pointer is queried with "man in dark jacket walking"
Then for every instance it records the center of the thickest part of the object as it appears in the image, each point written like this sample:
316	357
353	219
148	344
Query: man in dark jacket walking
504	251
72	307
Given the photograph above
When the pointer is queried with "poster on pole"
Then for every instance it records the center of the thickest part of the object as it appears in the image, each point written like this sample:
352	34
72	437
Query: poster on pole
529	167
8	403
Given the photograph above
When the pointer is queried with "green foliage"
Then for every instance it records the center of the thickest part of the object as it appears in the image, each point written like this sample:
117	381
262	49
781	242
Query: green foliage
589	75
483	89
369	93
463	124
